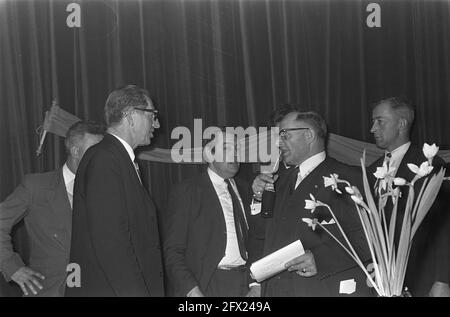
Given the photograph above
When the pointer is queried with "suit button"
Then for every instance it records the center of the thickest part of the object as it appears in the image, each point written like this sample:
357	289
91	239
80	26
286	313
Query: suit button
161	274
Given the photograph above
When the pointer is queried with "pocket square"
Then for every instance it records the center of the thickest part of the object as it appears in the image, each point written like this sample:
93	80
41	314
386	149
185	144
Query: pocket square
323	222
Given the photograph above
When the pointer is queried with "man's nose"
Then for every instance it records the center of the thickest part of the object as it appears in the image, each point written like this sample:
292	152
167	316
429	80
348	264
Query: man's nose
372	130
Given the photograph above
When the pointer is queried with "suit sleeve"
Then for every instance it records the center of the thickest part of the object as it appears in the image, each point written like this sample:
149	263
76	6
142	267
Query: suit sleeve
12	210
441	223
175	237
109	228
347	215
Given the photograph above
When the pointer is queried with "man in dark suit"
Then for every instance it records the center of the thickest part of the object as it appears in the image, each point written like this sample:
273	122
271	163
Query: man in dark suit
44	201
325	269
209	227
427	270
115	239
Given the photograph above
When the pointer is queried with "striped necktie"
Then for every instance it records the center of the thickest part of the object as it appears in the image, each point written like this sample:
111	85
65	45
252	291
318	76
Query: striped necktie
387	159
239	221
293	179
136	167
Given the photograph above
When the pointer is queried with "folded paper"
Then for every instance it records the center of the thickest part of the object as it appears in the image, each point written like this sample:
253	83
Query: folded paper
274	263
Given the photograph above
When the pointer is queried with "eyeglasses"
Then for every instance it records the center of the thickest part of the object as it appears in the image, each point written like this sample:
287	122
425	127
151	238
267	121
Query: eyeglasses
154	112
284	132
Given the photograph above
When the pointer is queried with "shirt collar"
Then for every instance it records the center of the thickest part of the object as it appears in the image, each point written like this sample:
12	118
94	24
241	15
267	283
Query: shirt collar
400	151
215	178
311	163
69	178
126	145
67	174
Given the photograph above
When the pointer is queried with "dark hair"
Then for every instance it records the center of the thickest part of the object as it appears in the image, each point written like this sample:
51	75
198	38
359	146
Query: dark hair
402	106
316	121
281	111
121	100
77	131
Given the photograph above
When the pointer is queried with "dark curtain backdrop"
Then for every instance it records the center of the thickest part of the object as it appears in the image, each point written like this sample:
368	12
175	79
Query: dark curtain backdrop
228	62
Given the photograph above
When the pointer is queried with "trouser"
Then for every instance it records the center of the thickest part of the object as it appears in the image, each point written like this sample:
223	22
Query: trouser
228	283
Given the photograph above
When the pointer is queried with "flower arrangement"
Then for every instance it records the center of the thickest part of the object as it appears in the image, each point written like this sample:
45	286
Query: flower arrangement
389	260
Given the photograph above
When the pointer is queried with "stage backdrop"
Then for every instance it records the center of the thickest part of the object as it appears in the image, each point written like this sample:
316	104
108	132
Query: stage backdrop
228	62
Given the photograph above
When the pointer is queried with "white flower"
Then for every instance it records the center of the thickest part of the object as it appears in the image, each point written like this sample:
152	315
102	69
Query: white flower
424	169
311	204
398	181
349	190
384	175
311	222
395	194
430	151
383	171
357	199
353	190
333	182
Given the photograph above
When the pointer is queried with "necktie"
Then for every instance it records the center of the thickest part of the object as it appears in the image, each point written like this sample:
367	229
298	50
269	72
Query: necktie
239	221
387	158
136	167
293	179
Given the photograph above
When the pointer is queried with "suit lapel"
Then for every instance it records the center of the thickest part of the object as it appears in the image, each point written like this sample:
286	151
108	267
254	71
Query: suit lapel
243	193
59	201
126	161
411	156
210	198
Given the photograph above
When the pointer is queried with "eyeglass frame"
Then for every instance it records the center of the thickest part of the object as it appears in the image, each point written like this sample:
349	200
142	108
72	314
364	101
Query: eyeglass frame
283	132
154	112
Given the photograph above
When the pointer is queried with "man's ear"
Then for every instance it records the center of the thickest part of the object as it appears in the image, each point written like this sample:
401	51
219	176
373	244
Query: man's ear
130	120
403	124
310	135
208	151
75	151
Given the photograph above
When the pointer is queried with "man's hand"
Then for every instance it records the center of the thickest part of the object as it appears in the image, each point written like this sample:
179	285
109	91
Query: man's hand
254	291
440	289
27	279
304	265
195	292
263	182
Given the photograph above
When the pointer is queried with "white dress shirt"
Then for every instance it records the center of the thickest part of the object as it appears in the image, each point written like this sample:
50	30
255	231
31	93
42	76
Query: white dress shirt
232	256
69	180
130	153
397	156
309	165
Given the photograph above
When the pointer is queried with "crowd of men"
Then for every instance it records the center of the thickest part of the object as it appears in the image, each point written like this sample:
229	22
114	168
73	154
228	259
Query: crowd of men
95	212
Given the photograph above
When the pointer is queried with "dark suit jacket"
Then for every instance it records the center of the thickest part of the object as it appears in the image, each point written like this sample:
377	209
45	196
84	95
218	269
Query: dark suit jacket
286	226
195	233
429	255
115	236
41	200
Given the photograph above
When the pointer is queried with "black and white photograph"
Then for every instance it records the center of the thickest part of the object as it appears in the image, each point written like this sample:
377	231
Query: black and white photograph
236	150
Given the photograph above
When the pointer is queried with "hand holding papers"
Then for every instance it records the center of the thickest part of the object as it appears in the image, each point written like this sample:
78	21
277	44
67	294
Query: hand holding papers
274	262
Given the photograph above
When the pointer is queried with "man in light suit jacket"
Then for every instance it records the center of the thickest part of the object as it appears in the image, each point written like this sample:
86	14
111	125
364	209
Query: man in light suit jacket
115	239
44	201
325	269
204	252
427	272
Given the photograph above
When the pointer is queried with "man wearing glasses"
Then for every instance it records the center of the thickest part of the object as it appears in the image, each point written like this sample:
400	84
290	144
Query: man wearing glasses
115	239
325	269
